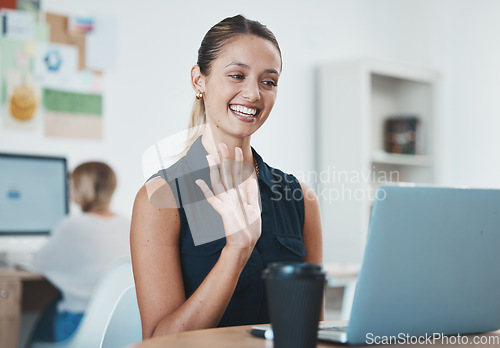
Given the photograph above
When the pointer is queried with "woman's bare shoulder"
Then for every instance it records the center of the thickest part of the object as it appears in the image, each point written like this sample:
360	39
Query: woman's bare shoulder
155	211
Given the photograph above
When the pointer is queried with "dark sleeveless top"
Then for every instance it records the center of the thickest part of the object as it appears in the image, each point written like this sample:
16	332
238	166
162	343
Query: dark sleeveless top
202	233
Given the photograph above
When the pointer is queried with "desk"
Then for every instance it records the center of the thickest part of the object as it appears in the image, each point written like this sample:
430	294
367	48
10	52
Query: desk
237	336
20	291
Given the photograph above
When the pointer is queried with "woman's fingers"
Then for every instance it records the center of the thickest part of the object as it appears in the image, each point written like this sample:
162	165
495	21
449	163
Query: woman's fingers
253	194
206	191
230	177
215	176
238	166
237	172
226	175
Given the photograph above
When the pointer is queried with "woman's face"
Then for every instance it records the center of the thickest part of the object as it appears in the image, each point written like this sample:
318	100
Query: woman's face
241	88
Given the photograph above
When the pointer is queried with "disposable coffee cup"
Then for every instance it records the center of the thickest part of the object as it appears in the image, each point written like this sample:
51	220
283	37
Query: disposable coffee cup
294	299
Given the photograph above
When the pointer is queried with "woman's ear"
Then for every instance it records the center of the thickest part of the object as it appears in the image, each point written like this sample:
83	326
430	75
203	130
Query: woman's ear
197	79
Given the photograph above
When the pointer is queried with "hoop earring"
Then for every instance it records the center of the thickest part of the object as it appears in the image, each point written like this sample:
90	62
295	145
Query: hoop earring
199	95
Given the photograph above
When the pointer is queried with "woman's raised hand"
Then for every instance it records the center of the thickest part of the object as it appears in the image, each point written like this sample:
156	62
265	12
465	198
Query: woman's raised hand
236	199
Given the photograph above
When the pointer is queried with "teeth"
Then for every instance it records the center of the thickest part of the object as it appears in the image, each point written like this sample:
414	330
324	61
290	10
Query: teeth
242	109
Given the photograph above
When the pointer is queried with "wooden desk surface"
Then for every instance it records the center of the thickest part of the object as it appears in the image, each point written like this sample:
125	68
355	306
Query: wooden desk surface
9	272
237	336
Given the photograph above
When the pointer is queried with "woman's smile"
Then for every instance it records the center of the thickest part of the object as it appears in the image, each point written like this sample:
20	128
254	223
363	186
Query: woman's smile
244	113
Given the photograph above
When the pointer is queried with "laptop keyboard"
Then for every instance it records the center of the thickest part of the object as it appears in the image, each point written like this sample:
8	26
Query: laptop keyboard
335	328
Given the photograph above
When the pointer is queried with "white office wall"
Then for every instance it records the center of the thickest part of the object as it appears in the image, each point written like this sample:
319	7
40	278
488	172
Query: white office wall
148	94
466	49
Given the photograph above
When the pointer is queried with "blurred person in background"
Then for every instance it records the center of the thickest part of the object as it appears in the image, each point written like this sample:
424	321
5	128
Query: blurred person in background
80	248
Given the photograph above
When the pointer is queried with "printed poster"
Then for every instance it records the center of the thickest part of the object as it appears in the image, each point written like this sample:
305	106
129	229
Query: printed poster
72	114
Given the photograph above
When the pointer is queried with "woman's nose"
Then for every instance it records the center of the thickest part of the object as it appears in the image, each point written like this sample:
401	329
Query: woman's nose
251	91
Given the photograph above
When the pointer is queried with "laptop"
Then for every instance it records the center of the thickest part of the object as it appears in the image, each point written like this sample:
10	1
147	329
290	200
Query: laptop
431	267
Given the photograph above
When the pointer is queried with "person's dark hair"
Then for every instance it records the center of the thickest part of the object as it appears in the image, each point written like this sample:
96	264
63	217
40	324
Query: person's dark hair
93	185
225	30
210	48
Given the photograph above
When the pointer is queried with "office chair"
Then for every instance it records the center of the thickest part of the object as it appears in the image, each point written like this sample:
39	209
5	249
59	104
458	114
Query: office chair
124	325
89	333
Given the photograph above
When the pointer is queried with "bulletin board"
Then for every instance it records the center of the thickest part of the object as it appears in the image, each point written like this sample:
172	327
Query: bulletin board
51	71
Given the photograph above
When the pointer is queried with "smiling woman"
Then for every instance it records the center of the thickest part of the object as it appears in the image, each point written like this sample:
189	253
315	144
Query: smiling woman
204	229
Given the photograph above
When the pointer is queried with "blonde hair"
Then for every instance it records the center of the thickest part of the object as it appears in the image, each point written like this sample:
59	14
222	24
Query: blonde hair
196	122
209	50
93	185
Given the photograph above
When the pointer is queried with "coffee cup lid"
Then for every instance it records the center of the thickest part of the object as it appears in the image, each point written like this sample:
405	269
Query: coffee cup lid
293	269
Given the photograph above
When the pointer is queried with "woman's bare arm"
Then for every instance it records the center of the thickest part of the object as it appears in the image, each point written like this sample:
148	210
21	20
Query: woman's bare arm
156	259
312	233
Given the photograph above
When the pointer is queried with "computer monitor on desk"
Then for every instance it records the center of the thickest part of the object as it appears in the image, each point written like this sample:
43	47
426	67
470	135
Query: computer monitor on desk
33	199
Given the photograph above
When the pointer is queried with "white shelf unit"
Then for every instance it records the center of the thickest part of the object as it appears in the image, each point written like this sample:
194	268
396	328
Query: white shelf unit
354	100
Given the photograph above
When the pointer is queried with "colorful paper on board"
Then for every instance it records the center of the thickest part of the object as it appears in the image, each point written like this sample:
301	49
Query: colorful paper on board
72	115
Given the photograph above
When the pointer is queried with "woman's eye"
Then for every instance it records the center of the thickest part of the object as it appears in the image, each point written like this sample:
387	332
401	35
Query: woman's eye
237	76
270	83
